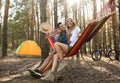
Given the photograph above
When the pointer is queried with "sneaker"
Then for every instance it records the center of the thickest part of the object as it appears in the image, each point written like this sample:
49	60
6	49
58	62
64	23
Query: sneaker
35	73
50	76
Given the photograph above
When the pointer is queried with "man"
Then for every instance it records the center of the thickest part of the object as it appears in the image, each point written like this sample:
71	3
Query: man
62	37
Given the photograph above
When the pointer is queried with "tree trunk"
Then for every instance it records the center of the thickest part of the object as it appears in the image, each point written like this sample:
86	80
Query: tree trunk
5	28
75	13
28	28
119	27
119	21
38	32
32	22
65	10
55	13
43	43
114	26
95	43
0	22
43	15
13	40
84	46
0	34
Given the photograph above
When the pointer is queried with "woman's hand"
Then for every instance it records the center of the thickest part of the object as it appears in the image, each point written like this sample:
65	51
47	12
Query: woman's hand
79	34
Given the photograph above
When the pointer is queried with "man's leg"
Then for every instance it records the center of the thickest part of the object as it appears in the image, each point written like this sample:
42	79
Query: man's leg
42	60
38	71
45	63
49	65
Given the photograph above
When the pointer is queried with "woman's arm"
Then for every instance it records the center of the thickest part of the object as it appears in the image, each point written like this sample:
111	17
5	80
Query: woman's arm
79	34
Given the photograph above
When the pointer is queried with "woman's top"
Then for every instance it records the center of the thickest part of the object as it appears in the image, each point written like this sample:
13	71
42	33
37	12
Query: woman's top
74	36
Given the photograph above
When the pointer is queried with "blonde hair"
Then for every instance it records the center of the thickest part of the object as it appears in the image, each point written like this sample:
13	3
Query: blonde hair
68	28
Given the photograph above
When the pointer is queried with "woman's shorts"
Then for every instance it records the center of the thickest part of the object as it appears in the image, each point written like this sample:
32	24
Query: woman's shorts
69	47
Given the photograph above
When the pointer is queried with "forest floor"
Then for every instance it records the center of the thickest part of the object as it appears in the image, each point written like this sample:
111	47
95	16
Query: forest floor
14	70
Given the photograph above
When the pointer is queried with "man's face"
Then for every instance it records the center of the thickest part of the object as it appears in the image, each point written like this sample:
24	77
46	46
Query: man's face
61	27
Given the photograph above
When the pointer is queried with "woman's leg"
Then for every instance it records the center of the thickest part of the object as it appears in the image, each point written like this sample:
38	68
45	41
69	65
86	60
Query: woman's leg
61	48
54	65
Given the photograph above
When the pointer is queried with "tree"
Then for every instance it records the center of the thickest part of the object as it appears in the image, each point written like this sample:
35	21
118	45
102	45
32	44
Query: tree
5	27
55	12
118	6
32	21
65	9
95	42
0	21
114	26
43	43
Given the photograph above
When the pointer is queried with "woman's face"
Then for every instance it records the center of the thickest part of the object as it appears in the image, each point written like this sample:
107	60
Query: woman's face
69	23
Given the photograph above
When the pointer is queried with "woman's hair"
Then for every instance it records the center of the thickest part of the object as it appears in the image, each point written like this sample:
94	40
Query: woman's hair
71	21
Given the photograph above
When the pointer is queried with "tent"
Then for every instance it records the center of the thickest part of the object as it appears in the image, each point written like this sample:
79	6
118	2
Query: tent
28	48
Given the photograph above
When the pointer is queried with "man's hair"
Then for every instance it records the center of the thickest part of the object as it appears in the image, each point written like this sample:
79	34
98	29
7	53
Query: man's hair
58	24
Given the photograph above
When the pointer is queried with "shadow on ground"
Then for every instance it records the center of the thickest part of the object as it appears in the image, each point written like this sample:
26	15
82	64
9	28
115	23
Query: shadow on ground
82	71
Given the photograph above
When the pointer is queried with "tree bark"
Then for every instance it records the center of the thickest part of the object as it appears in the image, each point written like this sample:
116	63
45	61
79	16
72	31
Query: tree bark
32	22
0	22
5	28
65	10
114	26
119	20
95	42
55	13
43	42
38	32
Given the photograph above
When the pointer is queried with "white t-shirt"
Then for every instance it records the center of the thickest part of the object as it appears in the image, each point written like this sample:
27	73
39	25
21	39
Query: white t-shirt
74	36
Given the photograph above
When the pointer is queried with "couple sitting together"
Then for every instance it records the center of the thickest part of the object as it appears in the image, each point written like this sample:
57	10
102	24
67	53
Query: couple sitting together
67	37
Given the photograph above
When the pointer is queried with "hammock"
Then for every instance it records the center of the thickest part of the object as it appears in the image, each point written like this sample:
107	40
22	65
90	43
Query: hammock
92	28
90	31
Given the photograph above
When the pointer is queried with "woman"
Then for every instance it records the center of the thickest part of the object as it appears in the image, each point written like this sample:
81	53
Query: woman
62	49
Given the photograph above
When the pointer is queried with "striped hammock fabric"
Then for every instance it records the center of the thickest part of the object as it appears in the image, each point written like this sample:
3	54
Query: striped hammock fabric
93	27
90	31
88	34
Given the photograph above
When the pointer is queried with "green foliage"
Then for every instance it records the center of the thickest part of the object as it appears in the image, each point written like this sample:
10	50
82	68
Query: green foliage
16	29
17	23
